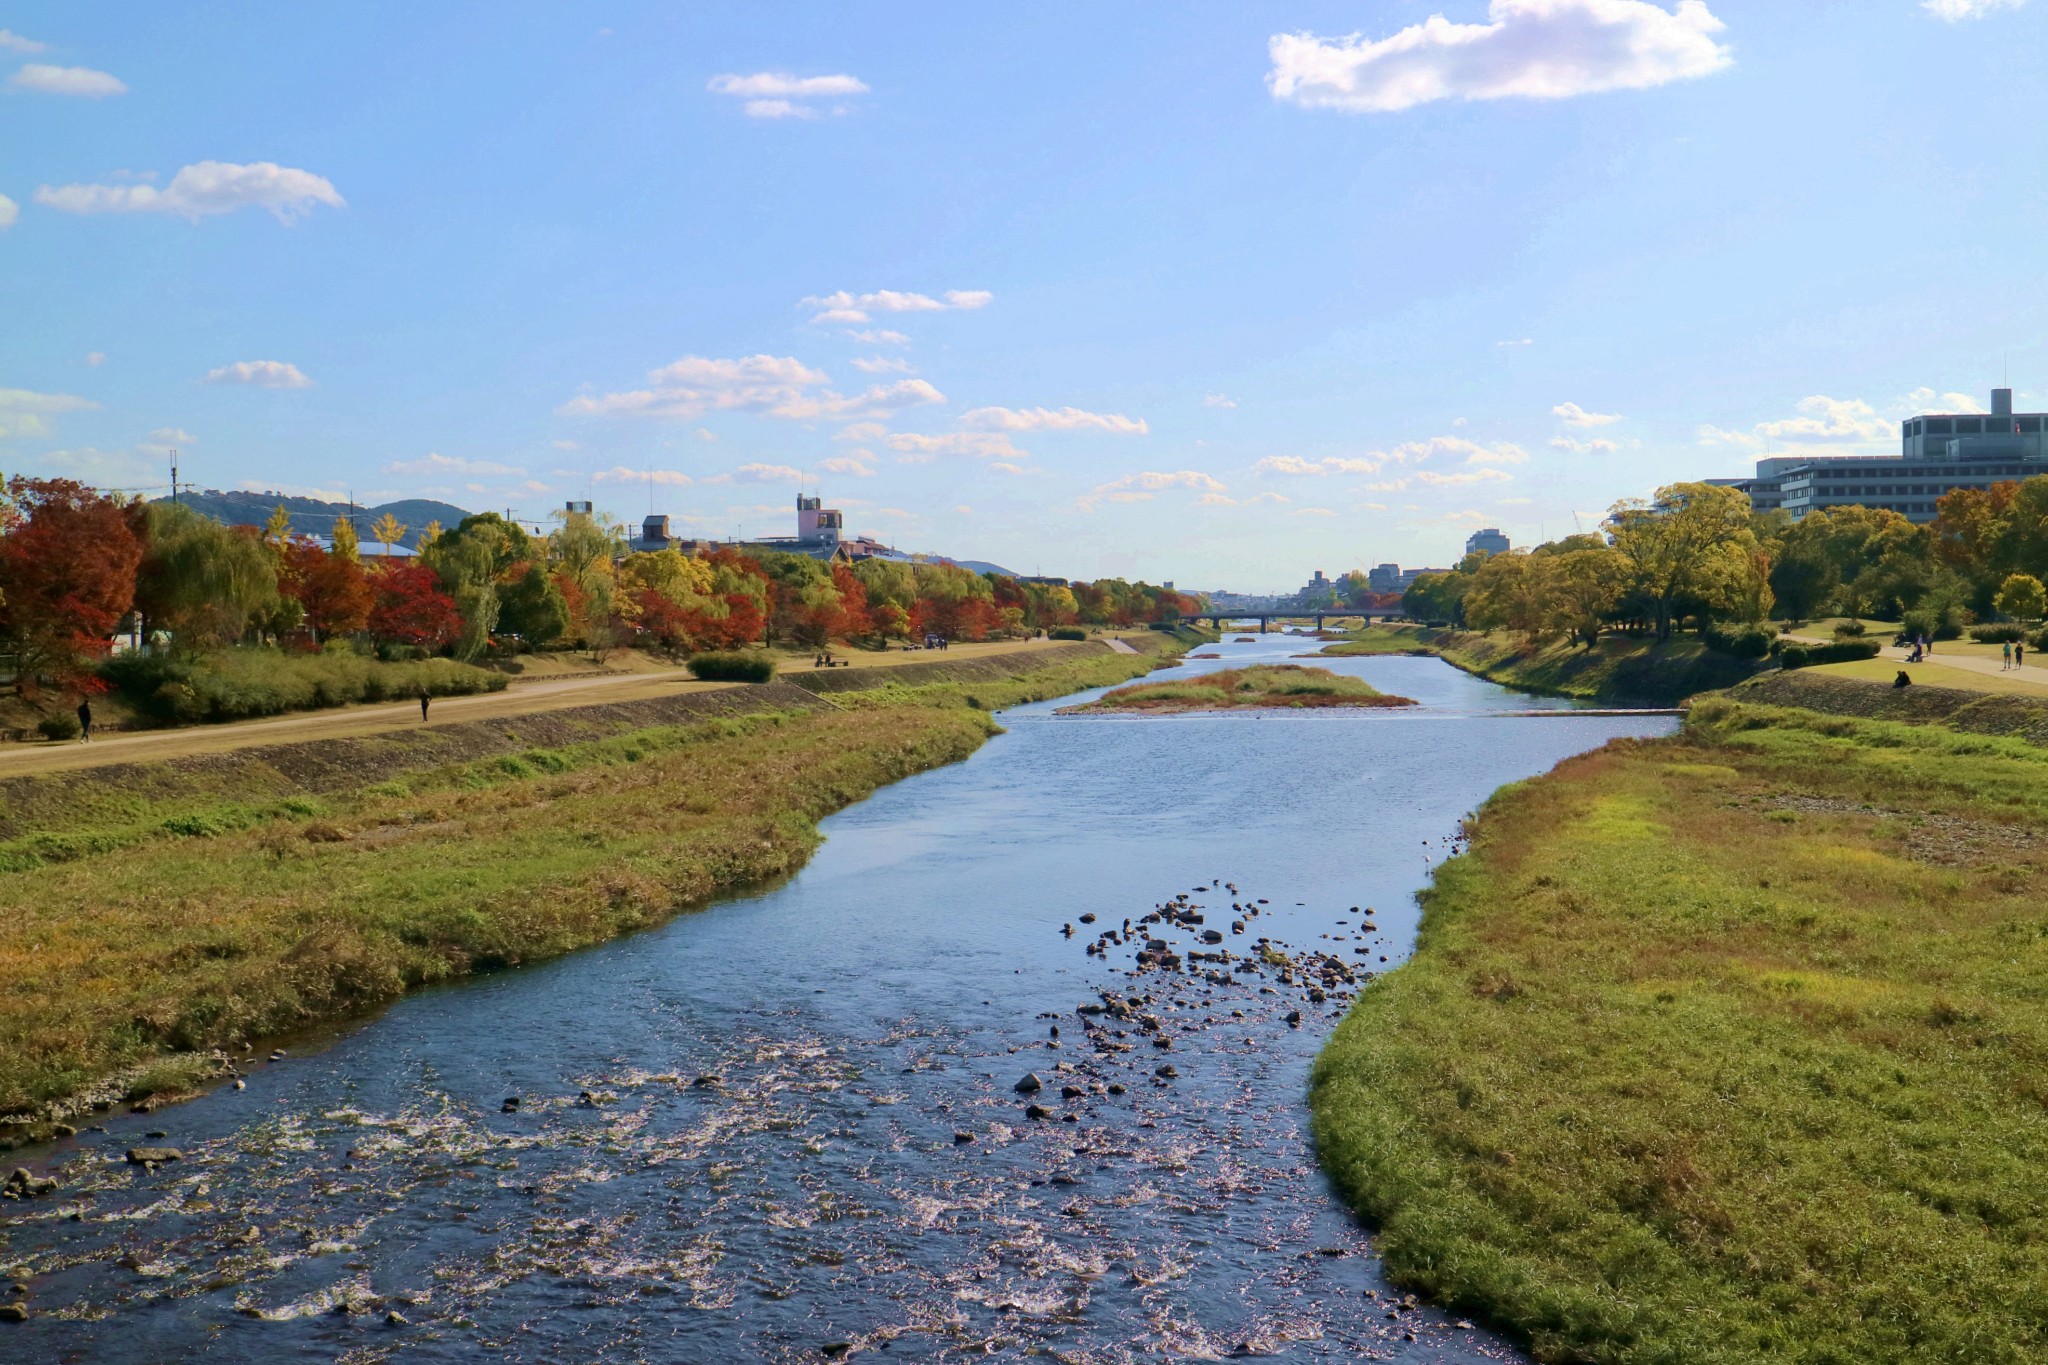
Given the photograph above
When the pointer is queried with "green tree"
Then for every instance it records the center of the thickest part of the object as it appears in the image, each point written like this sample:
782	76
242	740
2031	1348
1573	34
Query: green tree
204	583
1692	542
2022	597
531	607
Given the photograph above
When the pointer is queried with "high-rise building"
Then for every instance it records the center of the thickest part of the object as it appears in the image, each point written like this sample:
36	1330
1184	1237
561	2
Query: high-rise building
1489	541
1937	452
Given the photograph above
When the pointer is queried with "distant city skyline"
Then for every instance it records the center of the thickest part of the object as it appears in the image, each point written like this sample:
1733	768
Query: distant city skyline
1217	298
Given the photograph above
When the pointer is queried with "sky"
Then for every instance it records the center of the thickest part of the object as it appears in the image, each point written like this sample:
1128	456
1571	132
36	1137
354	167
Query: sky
1213	293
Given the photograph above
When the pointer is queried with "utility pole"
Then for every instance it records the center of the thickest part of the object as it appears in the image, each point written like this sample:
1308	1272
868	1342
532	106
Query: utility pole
174	477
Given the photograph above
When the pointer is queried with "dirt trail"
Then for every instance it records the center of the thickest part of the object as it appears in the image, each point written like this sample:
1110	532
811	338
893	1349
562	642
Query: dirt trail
147	746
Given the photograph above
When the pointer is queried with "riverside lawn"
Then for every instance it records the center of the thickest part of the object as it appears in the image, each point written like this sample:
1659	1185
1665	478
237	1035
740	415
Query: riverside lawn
1620	668
1724	1048
161	911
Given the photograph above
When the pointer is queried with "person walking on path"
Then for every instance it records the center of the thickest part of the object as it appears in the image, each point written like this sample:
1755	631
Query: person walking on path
423	706
2008	657
2019	653
85	720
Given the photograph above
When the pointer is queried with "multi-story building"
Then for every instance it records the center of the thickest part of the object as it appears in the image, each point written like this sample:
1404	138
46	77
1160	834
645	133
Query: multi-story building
1489	541
1938	452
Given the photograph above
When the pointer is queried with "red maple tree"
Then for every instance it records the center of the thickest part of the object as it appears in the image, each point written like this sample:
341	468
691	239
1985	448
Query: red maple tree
409	607
67	577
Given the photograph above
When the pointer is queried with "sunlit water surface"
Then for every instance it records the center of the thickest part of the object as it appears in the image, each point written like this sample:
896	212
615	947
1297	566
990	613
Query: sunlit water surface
772	1161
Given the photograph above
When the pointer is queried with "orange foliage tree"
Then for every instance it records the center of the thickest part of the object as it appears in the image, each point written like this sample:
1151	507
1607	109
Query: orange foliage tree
67	577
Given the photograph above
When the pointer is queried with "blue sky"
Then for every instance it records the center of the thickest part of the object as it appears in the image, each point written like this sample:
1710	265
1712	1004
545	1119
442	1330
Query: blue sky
1220	294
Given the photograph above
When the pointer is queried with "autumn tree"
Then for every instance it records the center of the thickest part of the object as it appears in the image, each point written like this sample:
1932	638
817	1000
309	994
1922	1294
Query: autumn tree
409	607
388	529
332	592
344	540
68	560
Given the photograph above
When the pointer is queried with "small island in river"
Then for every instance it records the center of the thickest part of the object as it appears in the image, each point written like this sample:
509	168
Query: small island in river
1262	686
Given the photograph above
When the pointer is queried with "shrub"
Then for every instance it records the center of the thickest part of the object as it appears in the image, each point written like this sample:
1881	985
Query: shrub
732	666
2003	634
1849	630
1797	655
63	725
2039	639
1066	633
1744	640
238	683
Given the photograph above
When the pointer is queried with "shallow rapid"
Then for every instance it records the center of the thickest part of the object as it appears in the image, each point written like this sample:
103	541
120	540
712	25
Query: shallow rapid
787	1127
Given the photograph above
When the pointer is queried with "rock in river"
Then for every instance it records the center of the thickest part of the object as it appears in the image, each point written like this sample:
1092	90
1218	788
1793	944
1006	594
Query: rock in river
1030	1085
153	1156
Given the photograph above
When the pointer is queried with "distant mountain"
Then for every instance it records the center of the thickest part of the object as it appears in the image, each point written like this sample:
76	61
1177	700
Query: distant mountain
983	566
312	517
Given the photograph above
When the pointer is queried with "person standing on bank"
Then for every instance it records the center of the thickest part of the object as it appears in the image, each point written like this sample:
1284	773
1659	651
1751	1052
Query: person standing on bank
423	706
85	720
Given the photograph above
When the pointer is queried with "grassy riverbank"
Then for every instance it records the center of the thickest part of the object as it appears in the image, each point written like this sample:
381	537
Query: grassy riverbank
1262	686
1619	669
1725	1048
159	911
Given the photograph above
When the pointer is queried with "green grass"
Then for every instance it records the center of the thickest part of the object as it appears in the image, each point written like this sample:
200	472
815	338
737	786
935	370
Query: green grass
2025	682
1286	686
243	682
190	906
1724	1048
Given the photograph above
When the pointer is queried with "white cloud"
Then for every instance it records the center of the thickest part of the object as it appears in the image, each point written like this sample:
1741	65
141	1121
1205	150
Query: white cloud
963	510
95	358
861	431
1518	341
452	465
119	469
760	473
783	85
9	212
202	189
1141	487
1599	445
1462	476
1530	49
23	412
1927	400
881	364
1047	419
780	386
880	400
1408	452
67	80
14	42
880	336
1006	467
707	435
666	478
164	440
847	464
263	374
1956	10
565	445
984	445
1823	418
845	306
1572	415
1217	400
1312	512
327	492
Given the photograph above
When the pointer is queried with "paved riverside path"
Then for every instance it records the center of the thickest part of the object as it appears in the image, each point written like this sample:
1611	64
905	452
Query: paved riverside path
2028	676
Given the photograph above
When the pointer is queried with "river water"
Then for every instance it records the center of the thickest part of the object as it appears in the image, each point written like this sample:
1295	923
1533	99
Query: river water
786	1128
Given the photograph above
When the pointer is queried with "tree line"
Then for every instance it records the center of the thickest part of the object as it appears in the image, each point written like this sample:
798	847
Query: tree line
1696	555
74	563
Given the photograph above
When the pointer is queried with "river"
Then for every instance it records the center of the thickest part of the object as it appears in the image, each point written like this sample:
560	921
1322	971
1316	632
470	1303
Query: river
786	1127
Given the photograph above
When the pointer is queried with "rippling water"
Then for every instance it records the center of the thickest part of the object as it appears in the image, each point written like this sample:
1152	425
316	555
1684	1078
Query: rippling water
786	1128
